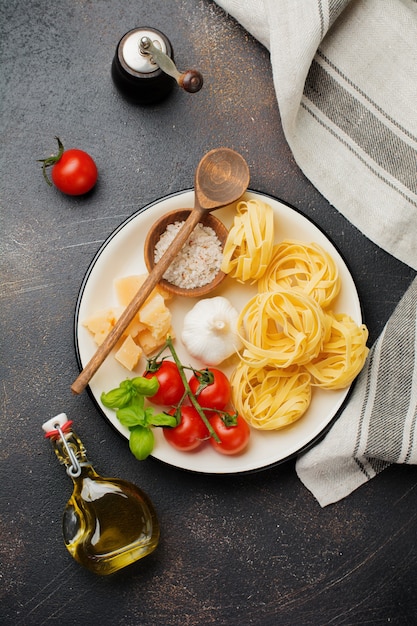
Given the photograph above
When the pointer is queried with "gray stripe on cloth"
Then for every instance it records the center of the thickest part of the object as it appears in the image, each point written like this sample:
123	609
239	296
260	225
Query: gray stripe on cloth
335	9
377	466
321	14
358	156
386	407
412	437
391	402
365	96
368	132
363	469
366	395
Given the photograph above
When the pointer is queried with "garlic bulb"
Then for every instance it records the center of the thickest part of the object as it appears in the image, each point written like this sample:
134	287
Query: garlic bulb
210	330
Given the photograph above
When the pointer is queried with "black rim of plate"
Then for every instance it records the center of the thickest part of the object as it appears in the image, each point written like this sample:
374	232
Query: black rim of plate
316	439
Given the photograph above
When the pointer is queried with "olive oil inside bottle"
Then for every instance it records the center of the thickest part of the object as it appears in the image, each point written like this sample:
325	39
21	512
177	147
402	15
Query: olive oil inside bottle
108	523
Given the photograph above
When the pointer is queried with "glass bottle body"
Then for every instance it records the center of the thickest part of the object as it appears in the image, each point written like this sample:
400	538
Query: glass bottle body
108	523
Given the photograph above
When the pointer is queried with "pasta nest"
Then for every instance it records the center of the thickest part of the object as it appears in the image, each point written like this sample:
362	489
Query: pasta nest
303	266
292	341
268	397
283	328
342	356
249	244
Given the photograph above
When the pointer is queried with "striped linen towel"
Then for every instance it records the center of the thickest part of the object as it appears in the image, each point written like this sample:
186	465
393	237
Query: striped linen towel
379	424
345	77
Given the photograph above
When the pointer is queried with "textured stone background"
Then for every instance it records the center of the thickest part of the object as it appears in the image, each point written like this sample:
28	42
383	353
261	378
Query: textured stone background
253	549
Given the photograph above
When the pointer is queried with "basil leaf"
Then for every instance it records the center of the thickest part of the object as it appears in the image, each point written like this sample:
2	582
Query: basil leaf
129	416
145	386
141	442
161	419
116	398
138	403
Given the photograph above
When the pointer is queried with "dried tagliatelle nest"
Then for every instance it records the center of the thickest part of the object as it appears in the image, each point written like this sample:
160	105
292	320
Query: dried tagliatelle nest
282	328
248	246
342	356
291	345
271	398
303	266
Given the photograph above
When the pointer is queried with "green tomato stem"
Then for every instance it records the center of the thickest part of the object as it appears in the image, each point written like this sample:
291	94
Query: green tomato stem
49	161
190	394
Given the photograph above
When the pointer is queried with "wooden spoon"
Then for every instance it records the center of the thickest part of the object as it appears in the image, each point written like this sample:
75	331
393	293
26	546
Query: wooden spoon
222	177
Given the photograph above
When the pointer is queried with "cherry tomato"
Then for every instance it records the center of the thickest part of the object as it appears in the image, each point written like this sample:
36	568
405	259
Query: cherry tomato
190	433
211	387
171	388
234	438
73	171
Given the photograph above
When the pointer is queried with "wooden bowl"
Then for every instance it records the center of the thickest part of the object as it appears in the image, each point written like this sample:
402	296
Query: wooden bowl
159	228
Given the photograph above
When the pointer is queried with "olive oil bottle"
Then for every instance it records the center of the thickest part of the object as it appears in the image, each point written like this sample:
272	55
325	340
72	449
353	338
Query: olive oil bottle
108	523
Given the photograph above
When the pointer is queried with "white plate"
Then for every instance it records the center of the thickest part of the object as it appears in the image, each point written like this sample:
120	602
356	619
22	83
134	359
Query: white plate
122	255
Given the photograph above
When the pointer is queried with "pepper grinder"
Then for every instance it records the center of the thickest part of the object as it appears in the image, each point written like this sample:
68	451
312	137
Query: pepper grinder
143	67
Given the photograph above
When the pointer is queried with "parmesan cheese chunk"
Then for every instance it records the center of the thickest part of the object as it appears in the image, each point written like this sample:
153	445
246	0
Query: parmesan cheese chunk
149	343
127	287
147	331
155	315
129	353
100	324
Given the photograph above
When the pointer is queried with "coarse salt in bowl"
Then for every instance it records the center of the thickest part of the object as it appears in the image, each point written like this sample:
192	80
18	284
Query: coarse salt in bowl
195	271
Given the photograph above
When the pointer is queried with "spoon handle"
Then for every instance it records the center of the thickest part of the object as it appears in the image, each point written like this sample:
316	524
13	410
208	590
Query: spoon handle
137	301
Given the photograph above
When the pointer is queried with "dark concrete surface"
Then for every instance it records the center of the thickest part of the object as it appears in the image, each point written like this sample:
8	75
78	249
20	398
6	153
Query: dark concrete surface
254	549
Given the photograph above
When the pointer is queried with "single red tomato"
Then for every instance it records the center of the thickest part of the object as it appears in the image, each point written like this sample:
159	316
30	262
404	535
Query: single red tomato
73	171
171	388
190	433
233	432
211	388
